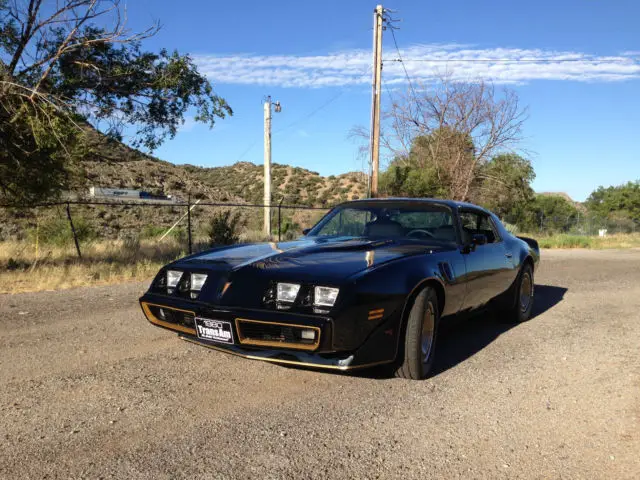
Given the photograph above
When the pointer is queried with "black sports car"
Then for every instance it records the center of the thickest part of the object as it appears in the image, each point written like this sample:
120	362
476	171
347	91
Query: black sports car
368	285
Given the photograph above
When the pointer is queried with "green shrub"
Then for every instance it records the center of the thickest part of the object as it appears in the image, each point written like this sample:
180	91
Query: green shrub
57	232
223	228
289	229
152	231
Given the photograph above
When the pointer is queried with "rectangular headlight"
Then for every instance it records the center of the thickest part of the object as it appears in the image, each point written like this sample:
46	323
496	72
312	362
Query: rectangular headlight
197	281
173	277
325	296
287	292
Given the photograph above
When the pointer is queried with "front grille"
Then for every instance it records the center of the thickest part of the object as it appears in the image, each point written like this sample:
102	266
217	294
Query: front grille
278	335
180	318
169	317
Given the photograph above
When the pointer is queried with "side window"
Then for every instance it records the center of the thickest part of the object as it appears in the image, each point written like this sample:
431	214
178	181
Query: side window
347	222
477	223
469	222
487	228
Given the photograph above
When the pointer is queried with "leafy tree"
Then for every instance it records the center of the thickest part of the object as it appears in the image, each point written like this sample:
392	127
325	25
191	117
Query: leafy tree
35	144
621	202
504	185
437	165
550	213
452	129
67	64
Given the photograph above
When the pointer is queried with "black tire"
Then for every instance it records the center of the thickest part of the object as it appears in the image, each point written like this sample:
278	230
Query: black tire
521	303
416	364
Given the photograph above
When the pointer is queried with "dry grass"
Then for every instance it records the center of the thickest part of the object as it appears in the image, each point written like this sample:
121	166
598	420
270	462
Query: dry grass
621	240
108	262
102	263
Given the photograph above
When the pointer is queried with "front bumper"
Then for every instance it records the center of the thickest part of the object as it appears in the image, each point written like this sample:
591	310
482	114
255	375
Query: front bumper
378	349
287	357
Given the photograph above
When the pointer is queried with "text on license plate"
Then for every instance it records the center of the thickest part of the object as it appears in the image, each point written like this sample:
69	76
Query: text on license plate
214	330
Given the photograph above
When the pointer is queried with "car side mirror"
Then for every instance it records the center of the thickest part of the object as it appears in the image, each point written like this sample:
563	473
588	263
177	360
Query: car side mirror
305	231
478	239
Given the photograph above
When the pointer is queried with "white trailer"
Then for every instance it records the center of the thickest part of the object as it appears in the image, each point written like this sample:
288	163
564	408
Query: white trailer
114	192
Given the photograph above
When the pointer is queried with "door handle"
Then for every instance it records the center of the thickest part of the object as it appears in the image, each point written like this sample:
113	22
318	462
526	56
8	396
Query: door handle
508	255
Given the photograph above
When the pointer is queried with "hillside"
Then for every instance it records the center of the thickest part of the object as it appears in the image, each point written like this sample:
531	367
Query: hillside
579	205
239	182
564	195
109	163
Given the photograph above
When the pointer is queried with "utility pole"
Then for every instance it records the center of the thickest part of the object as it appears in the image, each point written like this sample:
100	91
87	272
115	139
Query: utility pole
267	163
375	100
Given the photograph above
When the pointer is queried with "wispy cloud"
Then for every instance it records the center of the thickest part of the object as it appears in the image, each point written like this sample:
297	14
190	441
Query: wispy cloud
188	124
424	63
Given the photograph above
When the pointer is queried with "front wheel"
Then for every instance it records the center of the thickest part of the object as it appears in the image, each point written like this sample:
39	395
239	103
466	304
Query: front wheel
420	336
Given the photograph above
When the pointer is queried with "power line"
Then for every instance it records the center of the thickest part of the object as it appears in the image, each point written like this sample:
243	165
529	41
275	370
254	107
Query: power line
507	60
247	151
310	114
321	107
393	35
294	123
395	42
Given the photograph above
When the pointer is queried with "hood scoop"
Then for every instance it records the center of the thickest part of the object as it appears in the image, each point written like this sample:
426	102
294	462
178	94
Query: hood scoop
355	244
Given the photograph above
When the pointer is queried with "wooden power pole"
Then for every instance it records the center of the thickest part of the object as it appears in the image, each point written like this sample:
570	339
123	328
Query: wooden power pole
375	100
267	163
267	167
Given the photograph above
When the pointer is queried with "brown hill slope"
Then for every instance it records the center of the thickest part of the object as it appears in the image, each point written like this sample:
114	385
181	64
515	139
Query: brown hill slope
239	182
109	163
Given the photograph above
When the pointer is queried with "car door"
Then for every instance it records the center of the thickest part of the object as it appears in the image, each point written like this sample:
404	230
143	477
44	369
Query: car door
488	266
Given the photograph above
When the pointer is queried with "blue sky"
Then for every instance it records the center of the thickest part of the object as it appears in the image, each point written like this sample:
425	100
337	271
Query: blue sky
584	117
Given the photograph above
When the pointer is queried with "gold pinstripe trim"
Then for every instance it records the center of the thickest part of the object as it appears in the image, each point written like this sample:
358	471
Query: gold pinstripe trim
287	362
272	343
225	288
173	326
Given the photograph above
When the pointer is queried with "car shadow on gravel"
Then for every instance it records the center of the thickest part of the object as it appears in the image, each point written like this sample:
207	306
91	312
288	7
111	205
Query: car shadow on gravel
460	338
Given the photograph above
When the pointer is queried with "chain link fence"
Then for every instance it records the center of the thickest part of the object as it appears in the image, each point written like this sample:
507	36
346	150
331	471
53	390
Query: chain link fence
188	226
167	229
583	224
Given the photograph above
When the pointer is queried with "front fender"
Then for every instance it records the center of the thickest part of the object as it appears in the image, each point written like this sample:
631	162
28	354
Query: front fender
380	293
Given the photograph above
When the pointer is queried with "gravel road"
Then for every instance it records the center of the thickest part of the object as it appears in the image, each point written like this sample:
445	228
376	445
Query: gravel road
89	389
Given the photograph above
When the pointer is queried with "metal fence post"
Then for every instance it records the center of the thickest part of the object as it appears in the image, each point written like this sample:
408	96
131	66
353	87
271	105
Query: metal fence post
73	230
189	224
280	218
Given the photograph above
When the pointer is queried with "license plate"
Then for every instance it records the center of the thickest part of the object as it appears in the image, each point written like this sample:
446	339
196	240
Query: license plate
214	330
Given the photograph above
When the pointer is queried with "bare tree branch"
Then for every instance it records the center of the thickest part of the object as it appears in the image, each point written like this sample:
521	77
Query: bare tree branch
466	123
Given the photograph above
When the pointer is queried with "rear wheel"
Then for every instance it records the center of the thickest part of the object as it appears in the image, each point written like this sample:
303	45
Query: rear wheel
522	302
420	336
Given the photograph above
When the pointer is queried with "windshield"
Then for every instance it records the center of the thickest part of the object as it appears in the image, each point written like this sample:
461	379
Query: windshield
428	221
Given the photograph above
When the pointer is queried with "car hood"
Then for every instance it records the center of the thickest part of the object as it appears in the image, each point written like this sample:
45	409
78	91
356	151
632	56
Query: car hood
330	259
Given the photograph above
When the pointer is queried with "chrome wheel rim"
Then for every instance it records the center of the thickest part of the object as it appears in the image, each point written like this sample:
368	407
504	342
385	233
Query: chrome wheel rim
526	292
428	328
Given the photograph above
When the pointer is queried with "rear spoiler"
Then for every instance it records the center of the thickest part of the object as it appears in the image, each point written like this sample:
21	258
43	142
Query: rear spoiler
531	242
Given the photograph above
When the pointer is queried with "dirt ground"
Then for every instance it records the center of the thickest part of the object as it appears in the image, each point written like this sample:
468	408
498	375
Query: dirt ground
89	389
